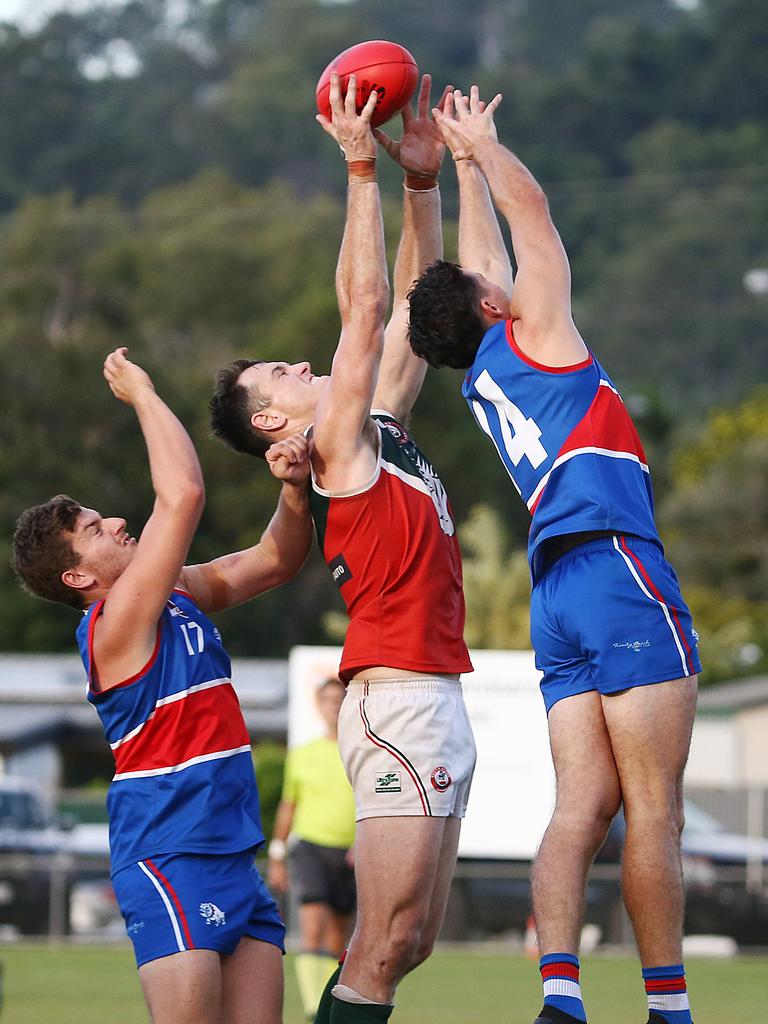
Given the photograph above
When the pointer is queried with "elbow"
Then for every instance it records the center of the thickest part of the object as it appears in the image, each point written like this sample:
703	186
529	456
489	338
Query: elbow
281	573
366	300
365	308
285	565
188	499
193	495
537	201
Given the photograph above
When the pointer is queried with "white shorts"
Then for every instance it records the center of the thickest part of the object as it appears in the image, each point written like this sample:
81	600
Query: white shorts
407	747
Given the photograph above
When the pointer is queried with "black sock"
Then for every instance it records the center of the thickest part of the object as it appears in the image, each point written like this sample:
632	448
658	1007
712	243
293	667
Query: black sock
360	1013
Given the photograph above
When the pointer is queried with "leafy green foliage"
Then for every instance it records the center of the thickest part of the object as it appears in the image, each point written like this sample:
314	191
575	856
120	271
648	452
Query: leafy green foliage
497	584
269	763
165	187
715	522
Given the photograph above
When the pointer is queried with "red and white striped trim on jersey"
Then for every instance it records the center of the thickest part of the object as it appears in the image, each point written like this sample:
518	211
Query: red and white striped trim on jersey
606	418
200	723
651	591
590	450
170	769
398	755
170	699
172	904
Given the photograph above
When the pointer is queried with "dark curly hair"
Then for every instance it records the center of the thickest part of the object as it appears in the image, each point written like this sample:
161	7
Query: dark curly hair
42	549
231	408
446	327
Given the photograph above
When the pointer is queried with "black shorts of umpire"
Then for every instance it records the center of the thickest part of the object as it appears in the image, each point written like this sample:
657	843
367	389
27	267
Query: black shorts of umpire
320	874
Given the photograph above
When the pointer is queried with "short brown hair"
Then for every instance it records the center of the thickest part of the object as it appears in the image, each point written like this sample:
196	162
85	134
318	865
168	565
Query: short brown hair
231	408
42	549
444	324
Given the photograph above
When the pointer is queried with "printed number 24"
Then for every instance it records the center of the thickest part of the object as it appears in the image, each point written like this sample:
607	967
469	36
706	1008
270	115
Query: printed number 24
196	645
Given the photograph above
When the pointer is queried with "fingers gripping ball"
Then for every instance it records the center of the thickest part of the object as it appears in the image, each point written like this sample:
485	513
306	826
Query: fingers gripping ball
386	67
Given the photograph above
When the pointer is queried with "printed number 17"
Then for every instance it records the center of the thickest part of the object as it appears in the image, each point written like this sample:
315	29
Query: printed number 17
186	629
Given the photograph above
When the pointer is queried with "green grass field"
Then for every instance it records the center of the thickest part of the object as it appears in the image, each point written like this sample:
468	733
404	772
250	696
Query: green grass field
69	985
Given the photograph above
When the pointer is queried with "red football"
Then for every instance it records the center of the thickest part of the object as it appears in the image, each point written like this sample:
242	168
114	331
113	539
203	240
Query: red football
386	67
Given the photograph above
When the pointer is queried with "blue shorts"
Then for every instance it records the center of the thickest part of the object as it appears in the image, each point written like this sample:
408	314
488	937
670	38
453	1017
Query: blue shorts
195	901
607	616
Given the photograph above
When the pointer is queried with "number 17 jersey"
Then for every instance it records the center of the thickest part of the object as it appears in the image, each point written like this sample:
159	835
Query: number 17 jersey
184	779
565	439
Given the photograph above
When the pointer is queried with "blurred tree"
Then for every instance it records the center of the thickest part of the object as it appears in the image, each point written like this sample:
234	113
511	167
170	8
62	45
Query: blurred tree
165	187
269	763
716	529
497	584
204	273
715	517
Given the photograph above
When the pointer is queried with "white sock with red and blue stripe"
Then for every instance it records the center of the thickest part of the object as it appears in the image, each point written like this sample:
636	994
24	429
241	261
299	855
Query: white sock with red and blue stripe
667	995
560	977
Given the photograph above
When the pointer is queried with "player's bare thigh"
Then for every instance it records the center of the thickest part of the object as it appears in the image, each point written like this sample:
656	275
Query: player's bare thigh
446	867
396	861
184	988
252	984
650	729
587	779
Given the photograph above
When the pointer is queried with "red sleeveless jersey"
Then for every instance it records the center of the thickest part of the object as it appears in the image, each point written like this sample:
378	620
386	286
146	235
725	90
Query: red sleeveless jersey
392	549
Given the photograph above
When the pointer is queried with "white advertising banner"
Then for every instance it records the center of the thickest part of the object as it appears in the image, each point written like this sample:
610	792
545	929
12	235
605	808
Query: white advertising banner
513	791
513	788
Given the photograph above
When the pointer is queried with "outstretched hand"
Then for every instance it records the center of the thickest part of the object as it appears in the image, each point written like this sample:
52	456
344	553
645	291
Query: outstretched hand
126	379
421	148
351	130
288	459
466	121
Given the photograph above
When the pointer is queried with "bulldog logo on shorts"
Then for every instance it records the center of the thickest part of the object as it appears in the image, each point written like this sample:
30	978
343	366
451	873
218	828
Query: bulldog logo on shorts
440	779
212	914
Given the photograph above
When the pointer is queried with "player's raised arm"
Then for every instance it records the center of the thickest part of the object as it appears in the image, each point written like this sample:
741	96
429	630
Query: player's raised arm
481	246
282	549
342	455
420	153
126	631
541	297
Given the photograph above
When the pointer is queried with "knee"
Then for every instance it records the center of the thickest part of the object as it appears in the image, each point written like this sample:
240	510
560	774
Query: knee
403	949
658	815
424	950
396	952
589	814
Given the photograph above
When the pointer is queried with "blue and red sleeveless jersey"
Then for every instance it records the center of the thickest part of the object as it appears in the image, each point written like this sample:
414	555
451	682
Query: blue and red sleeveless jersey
392	549
184	779
566	440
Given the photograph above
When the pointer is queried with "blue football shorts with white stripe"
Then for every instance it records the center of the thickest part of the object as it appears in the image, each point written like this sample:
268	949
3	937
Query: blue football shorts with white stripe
195	901
608	615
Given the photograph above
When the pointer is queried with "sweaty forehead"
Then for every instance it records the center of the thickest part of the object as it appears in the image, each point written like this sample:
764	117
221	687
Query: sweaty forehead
86	517
260	374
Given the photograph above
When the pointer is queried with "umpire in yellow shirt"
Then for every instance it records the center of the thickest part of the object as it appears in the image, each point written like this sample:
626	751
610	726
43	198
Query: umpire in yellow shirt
317	809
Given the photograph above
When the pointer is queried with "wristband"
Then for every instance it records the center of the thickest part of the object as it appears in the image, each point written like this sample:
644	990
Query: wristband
361	170
276	849
419	183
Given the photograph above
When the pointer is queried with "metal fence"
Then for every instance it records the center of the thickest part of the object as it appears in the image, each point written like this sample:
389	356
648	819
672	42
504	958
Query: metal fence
66	896
741	811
